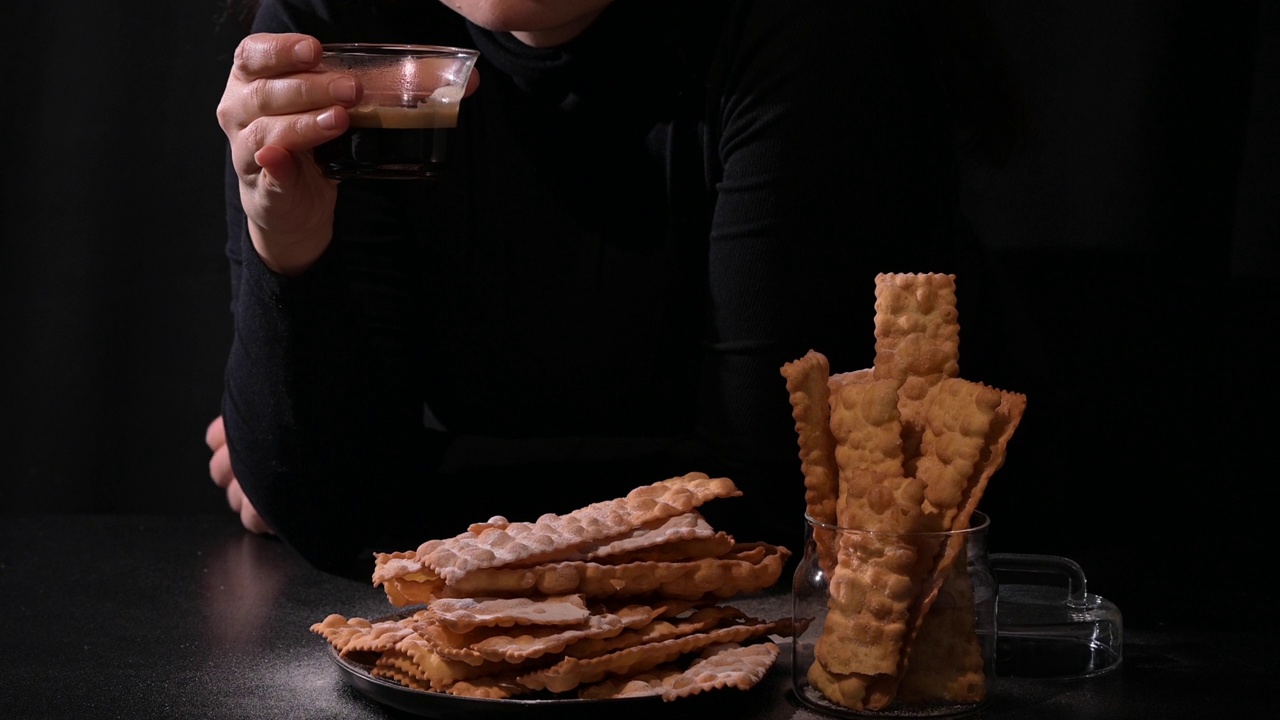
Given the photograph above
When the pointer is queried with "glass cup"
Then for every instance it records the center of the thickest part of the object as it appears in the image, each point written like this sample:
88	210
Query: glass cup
403	125
861	611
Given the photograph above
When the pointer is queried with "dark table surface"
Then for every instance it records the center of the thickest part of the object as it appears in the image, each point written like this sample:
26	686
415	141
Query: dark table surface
191	617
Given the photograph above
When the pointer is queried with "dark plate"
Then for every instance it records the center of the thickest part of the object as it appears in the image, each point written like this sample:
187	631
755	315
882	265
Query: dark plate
449	707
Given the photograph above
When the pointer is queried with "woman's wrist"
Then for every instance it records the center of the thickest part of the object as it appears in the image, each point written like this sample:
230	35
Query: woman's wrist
290	255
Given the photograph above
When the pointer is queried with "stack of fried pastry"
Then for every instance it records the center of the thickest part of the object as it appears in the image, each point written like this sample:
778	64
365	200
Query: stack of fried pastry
622	598
901	448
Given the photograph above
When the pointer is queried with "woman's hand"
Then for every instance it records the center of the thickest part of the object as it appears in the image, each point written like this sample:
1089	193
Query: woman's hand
220	470
275	109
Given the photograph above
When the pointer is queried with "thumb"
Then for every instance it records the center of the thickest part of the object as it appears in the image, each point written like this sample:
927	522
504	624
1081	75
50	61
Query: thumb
279	164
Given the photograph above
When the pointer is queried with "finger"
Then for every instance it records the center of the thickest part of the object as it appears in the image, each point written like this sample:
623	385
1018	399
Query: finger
249	517
235	497
215	436
278	163
252	521
473	82
220	467
266	54
271	144
244	102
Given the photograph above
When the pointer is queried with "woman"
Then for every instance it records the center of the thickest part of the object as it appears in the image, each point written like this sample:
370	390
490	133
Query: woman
654	204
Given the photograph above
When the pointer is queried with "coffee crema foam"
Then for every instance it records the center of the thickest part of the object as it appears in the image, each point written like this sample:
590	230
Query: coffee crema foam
425	116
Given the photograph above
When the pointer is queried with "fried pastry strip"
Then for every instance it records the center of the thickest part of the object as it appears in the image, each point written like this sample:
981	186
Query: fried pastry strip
499	543
749	567
807	383
719	666
917	335
572	672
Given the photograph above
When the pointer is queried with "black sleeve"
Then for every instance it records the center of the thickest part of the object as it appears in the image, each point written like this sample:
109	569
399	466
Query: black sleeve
314	347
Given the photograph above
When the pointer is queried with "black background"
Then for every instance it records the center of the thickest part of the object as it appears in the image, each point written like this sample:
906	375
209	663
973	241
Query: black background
113	283
1136	226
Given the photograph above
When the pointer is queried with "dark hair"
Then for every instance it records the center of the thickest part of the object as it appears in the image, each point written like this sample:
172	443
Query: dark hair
239	13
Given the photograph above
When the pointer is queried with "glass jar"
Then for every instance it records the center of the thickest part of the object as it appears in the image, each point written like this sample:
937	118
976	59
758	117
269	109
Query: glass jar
884	594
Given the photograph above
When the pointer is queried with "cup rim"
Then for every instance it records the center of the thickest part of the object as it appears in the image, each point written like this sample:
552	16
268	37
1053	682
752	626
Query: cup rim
396	50
978	522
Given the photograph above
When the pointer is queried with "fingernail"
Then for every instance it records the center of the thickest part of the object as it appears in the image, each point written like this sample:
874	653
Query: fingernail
326	120
305	52
343	89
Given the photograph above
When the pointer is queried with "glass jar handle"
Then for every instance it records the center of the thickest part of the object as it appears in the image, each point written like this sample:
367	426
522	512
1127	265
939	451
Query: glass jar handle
1054	565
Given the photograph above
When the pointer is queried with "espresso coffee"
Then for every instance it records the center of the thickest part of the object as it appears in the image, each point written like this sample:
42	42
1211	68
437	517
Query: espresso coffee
391	141
407	111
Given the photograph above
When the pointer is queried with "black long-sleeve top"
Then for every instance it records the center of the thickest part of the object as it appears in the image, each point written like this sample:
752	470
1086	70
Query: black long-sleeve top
638	229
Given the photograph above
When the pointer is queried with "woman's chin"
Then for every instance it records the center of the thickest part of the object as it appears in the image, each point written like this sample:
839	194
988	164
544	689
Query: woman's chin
528	16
